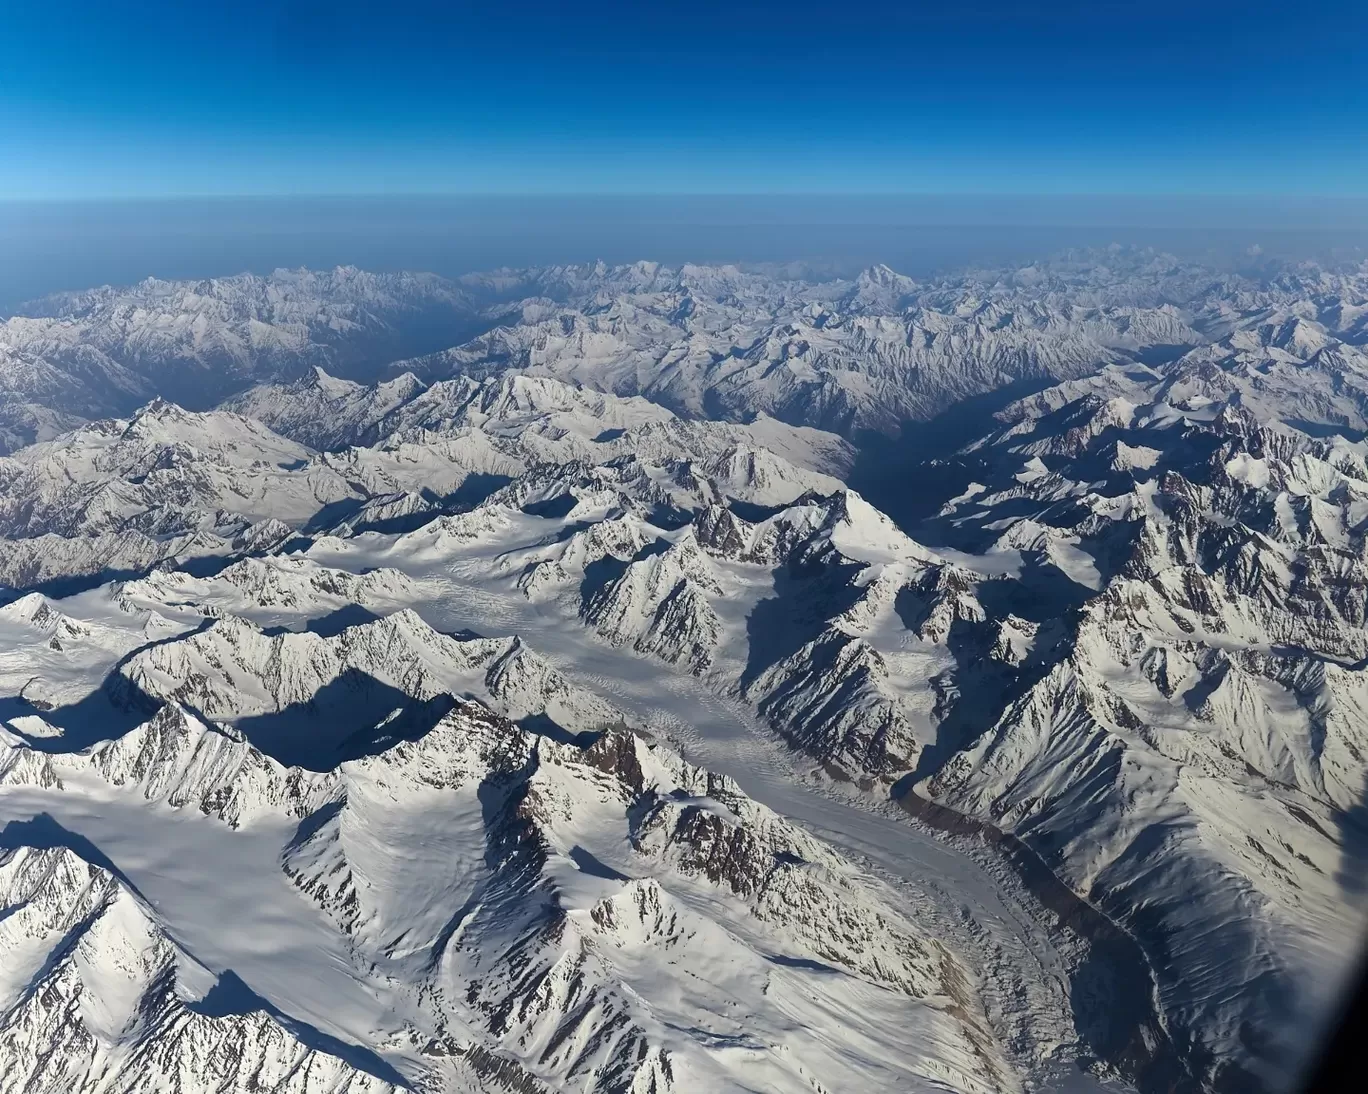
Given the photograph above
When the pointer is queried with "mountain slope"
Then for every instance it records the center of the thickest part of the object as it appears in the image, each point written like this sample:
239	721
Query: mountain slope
596	890
1193	751
102	352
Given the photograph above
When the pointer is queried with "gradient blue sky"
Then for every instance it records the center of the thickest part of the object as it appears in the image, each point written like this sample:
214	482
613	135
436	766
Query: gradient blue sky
148	98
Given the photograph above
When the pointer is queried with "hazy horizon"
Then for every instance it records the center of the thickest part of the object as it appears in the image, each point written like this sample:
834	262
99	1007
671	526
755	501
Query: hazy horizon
70	245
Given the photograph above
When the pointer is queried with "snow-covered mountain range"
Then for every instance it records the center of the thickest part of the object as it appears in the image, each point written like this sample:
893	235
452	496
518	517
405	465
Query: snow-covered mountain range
106	351
551	712
717	342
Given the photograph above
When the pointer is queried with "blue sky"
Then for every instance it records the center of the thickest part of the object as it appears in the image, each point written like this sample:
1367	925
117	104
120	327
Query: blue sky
148	98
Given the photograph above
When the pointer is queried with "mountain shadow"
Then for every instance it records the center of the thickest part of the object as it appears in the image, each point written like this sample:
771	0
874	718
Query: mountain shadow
805	600
912	476
70	585
107	712
1353	838
230	997
332	624
352	715
44	832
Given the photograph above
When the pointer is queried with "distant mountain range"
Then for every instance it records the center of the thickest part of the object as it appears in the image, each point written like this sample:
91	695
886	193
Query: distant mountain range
714	342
